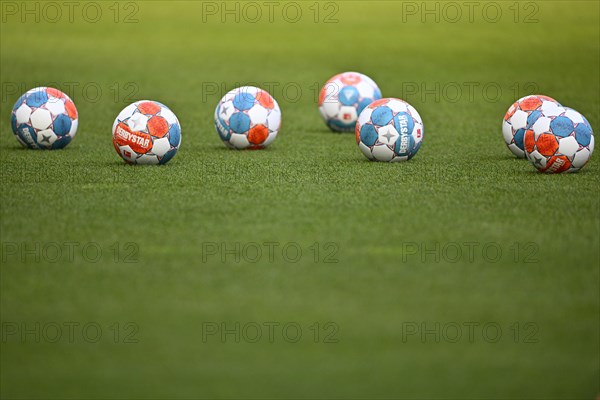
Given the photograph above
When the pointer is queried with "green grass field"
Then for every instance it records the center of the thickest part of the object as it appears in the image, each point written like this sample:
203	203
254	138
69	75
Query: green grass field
311	189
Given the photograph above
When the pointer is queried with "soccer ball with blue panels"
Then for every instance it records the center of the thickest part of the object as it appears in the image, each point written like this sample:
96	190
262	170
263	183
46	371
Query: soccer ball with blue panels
343	97
247	118
558	140
389	130
146	132
44	118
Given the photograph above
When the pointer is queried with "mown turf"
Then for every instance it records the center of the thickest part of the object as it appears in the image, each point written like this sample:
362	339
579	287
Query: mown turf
311	186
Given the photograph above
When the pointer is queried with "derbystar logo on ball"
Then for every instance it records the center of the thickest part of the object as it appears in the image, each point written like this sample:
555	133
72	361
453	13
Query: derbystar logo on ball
146	132
139	142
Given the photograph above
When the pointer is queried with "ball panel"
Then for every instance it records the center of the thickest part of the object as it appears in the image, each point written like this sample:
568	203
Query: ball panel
382	152
519	120
239	141
258	134
148	107
71	110
270	138
40	119
348	95
62	125
157	126
368	135
170	154
56	106
347	115
516	150
161	146
568	146
147	159
382	116
23	114
46	138
546	144
366	151
274	120
36	97
243	101
74	125
583	134
581	158
239	123
562	126
364	116
541	125
557	164
175	135
258	114
137	122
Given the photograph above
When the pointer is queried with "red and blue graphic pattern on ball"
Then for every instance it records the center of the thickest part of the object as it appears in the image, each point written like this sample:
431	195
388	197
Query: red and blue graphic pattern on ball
389	130
344	97
146	132
247	117
519	115
558	140
44	118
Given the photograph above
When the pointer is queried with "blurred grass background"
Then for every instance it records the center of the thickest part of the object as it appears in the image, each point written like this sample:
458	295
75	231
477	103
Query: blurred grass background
310	186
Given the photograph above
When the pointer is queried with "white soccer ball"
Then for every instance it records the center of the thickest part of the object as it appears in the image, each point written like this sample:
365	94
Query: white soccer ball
146	132
519	115
560	140
389	130
343	98
44	118
247	117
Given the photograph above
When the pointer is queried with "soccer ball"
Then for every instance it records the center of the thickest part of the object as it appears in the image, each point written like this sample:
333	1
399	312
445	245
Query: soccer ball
519	115
389	130
146	132
344	97
44	118
247	117
560	140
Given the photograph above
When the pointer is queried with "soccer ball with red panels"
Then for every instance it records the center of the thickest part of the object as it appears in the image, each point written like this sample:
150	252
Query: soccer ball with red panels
44	118
344	97
247	117
146	132
389	130
559	140
519	115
